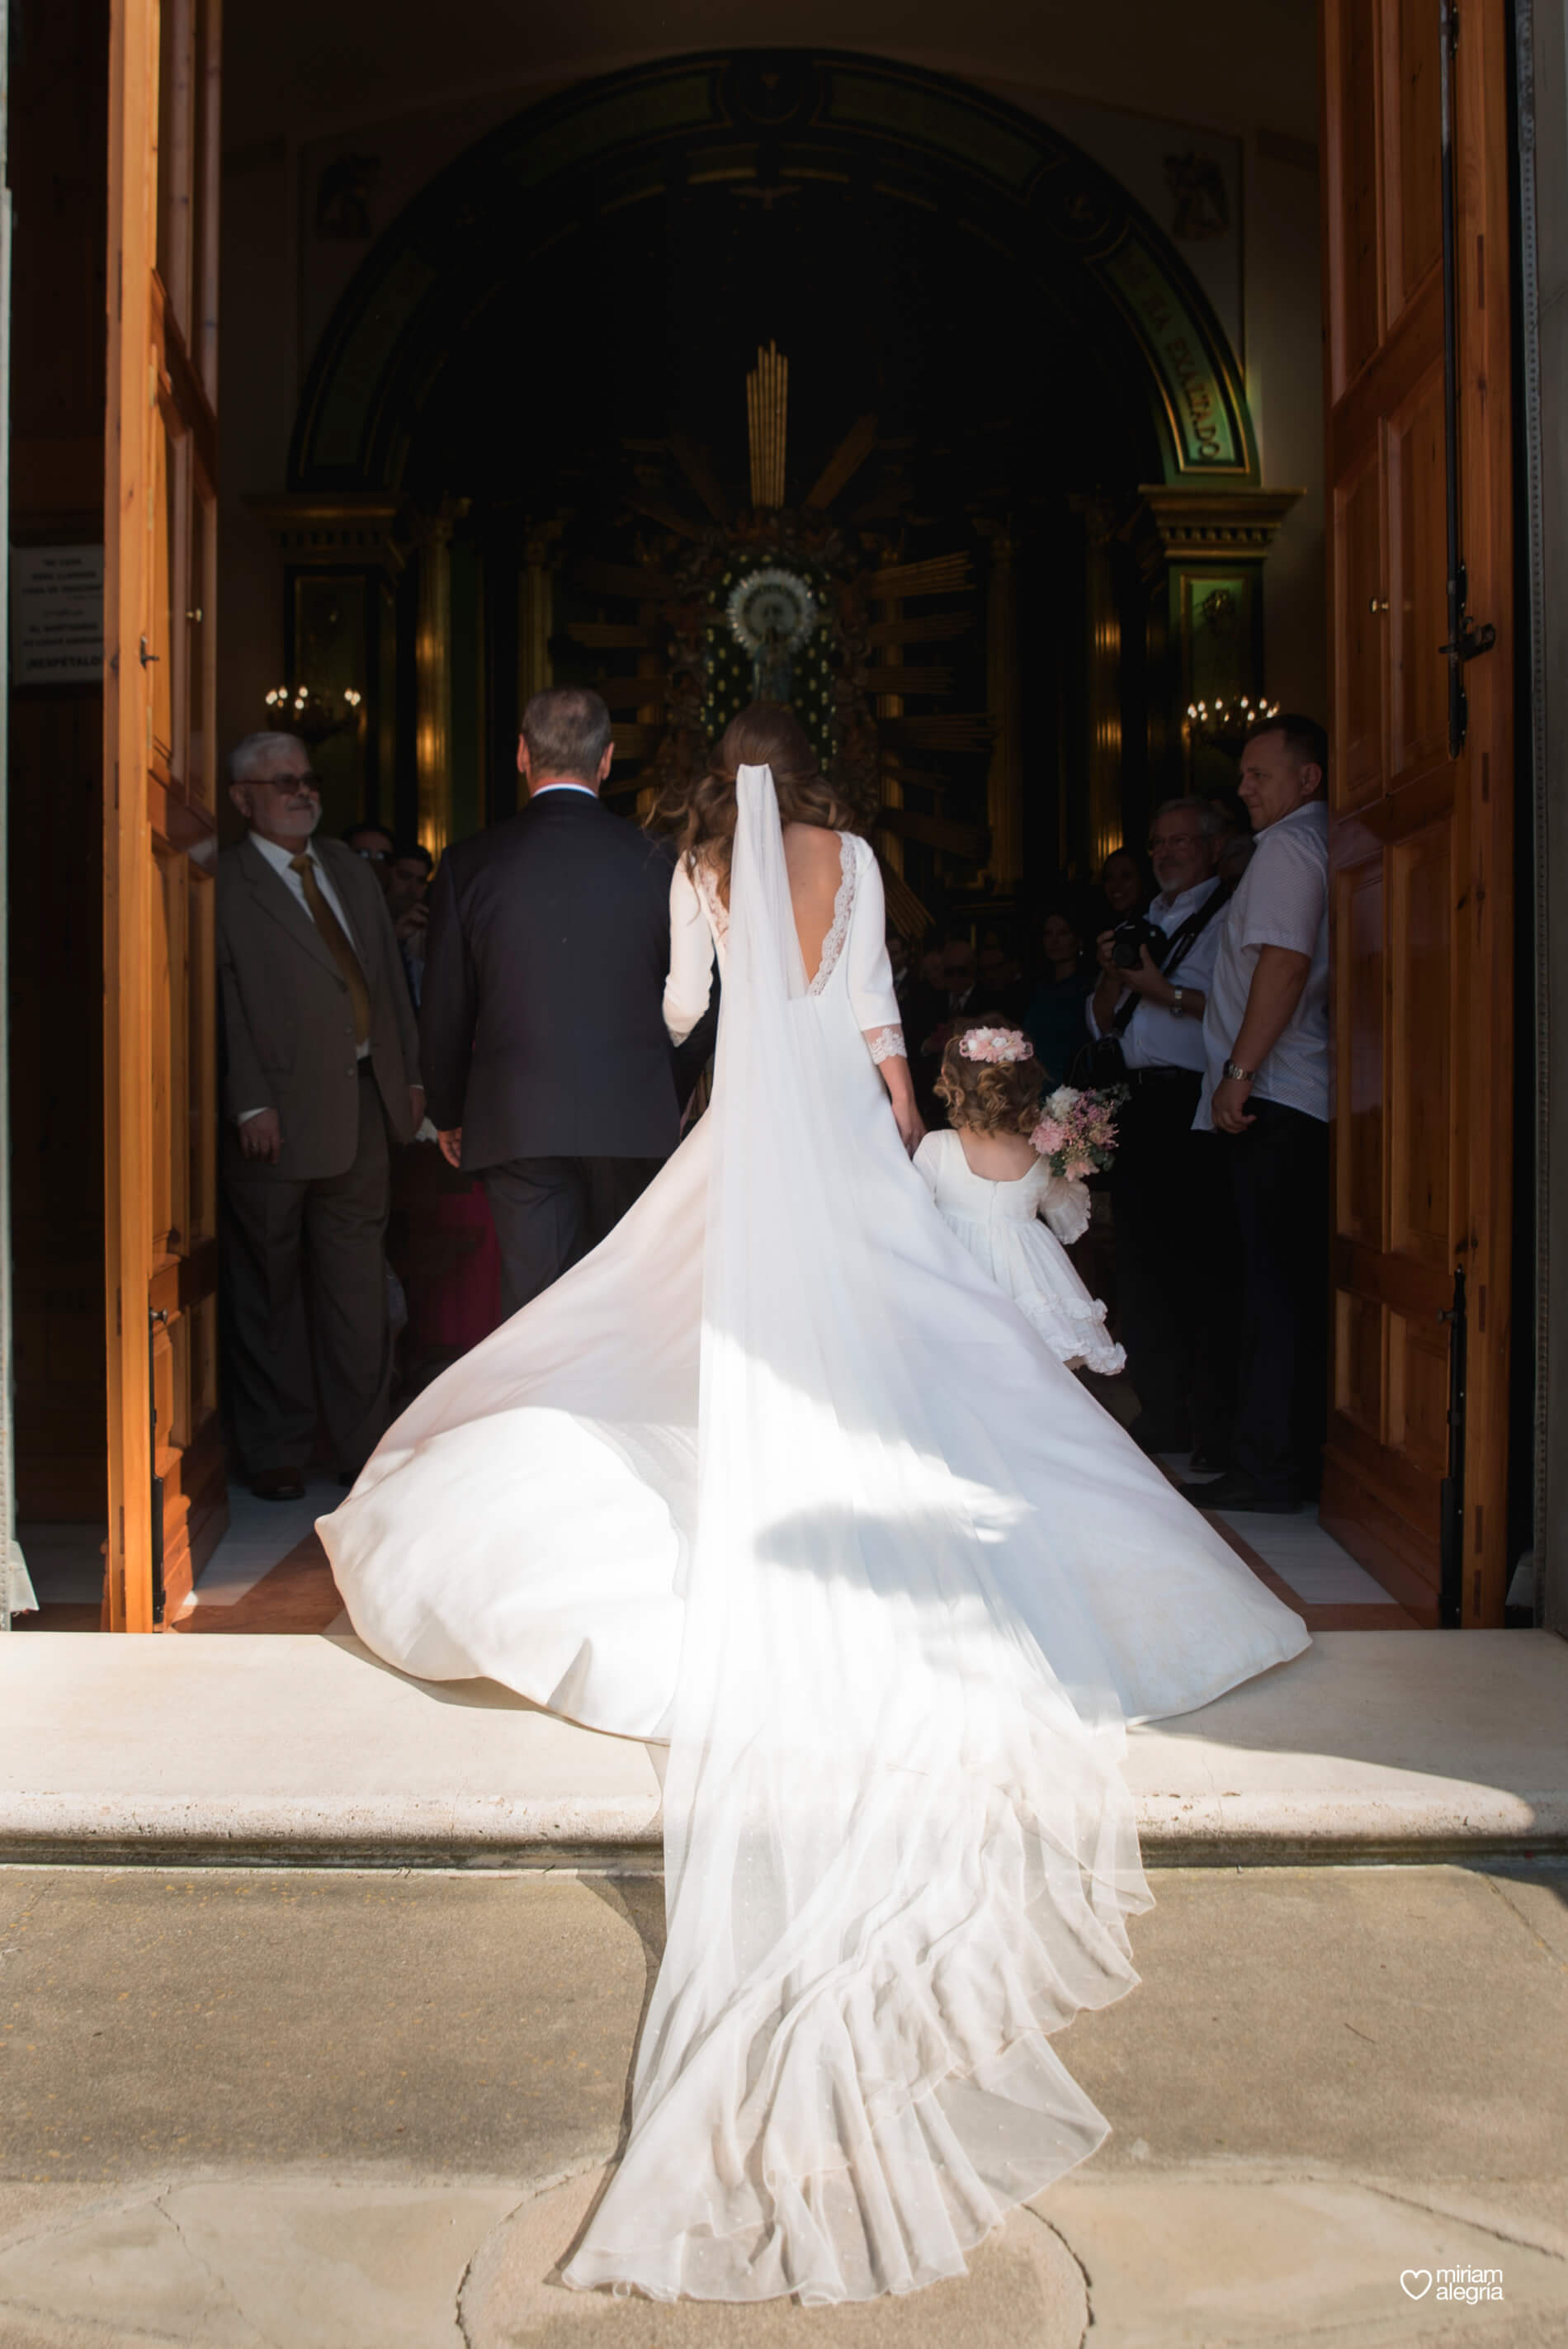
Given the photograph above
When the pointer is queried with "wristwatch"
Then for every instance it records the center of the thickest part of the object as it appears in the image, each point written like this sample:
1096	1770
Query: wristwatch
1176	1000
1239	1076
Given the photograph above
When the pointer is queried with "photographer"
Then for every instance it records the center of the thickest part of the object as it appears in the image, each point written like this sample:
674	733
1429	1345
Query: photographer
1174	1311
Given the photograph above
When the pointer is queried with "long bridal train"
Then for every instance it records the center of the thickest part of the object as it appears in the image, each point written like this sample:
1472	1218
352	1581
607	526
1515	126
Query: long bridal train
778	1476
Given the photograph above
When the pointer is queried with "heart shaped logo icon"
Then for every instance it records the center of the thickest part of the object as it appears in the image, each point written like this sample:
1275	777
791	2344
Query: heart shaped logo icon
1416	2281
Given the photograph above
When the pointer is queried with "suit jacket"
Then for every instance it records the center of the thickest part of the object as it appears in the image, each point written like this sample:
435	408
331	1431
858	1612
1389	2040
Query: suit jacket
287	1021
541	1023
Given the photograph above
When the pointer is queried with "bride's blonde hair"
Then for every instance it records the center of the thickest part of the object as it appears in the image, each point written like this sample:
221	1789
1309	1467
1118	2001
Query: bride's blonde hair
765	735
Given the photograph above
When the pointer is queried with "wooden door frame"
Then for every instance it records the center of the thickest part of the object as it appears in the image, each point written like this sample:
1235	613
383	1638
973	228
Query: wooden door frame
10	1555
1364	404
129	879
1540	63
159	780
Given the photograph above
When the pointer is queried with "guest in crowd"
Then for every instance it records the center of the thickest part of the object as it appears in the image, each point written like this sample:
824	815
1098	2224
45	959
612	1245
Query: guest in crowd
930	972
376	845
1055	1010
1173	1305
321	1067
1124	887
959	977
407	888
999	976
957	995
1265	1037
542	1024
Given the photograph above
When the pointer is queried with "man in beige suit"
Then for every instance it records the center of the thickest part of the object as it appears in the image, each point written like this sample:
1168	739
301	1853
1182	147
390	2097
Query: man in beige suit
320	1063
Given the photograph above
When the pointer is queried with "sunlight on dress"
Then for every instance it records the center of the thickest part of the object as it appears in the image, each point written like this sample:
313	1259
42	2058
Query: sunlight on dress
779	1475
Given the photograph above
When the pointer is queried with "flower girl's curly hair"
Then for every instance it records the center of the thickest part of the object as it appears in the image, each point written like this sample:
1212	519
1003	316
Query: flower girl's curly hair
703	813
989	1096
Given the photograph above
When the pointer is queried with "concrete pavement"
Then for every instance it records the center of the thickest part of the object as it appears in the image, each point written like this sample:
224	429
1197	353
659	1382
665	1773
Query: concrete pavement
307	1749
341	2110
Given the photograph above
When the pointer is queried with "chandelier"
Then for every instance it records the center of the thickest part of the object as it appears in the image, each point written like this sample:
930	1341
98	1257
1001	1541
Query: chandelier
296	709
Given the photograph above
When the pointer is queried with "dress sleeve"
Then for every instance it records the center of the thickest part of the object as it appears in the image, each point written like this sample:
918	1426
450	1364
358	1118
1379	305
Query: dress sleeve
926	1160
1065	1209
870	973
690	981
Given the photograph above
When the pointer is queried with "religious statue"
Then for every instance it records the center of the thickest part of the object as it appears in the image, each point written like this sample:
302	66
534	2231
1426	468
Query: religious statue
773	615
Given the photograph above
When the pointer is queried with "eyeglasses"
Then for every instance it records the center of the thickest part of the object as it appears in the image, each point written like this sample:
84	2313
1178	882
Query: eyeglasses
375	855
309	780
1176	840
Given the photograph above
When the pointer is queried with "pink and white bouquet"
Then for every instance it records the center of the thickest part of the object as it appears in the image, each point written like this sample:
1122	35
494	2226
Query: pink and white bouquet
1077	1132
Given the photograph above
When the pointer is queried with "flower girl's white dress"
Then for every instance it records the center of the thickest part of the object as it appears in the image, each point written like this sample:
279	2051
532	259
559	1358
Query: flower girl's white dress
779	1475
1016	1231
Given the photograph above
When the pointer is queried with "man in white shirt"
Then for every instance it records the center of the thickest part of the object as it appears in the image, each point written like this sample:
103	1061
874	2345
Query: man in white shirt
1162	1185
321	1065
1265	1037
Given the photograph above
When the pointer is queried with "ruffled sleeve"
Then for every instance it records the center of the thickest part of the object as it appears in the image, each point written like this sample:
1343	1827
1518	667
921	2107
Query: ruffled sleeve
690	981
1064	1209
869	972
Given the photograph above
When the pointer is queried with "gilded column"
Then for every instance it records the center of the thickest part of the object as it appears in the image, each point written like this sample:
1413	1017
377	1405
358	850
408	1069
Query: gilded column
433	683
1202	550
1100	825
1005	784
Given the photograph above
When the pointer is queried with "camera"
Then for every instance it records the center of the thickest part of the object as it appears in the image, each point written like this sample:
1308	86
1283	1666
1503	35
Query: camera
1128	940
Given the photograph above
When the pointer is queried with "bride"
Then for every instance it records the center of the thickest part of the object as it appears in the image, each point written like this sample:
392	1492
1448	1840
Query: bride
778	1478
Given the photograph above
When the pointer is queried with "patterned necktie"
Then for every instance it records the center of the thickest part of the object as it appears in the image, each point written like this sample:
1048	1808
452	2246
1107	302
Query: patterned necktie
337	938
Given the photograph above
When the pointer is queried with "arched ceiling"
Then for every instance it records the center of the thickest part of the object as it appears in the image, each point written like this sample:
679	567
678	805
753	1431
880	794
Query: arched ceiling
605	250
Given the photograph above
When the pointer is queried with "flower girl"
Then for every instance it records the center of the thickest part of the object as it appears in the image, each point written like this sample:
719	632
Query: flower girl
1003	1167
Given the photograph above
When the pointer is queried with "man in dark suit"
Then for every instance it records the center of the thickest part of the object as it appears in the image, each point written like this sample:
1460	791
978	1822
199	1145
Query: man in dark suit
541	1023
321	1062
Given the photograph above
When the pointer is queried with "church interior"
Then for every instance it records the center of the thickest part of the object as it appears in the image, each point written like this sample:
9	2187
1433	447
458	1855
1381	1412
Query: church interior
960	382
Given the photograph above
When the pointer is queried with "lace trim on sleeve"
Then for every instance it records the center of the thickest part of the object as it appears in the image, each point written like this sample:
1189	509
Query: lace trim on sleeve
886	1043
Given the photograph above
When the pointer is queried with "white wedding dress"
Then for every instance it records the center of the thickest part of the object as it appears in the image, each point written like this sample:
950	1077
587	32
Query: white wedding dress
779	1476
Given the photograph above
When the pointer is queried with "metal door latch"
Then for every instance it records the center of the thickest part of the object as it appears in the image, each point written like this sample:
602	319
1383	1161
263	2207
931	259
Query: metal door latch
1470	640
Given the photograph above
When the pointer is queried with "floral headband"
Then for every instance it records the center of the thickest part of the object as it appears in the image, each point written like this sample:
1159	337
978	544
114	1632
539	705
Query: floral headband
995	1044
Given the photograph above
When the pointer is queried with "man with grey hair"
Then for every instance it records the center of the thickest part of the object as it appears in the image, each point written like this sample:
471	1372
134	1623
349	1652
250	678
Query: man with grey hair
321	1062
542	1019
1175	1310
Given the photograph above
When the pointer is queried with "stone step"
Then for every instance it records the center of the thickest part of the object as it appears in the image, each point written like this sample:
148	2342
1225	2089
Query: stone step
283	1751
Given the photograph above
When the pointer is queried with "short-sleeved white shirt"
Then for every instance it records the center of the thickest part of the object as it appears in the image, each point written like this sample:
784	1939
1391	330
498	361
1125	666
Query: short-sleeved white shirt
1281	900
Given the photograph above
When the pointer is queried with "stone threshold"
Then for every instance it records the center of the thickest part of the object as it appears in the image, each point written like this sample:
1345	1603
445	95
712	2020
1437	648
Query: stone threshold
273	1750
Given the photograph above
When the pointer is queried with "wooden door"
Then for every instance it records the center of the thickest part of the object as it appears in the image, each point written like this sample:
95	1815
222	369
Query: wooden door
1421	792
166	1483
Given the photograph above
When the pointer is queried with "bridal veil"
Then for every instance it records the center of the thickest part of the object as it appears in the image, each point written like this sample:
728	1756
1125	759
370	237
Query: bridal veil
777	1475
898	1848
